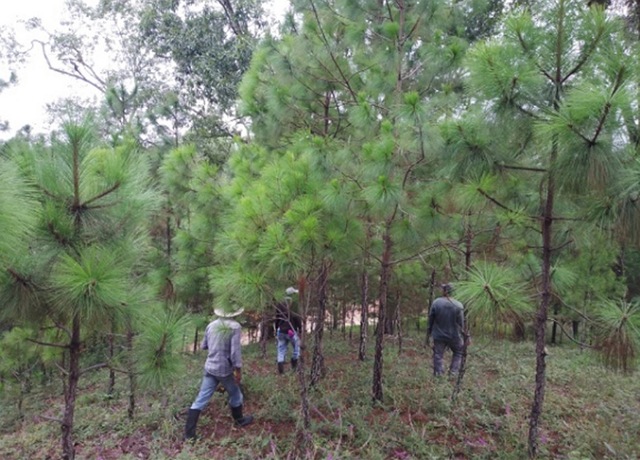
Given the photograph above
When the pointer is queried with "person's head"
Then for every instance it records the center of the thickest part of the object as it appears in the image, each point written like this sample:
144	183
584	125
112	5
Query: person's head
230	312
447	289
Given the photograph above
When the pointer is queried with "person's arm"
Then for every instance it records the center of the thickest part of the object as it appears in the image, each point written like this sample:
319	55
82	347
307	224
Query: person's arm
460	319
205	340
237	374
235	355
296	322
432	316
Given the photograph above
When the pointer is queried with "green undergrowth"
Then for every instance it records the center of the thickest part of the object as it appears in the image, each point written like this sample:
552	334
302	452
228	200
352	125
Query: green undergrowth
589	412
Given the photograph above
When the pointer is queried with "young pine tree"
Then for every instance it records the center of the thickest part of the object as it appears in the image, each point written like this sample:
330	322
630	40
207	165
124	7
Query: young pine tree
82	266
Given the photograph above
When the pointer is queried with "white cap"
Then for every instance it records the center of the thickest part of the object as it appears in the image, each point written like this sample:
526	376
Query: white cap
227	314
291	290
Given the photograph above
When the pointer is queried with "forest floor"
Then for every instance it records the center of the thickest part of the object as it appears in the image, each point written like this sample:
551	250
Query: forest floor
589	412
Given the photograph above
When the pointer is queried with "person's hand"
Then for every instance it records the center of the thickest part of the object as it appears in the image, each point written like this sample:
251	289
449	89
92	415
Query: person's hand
237	375
291	333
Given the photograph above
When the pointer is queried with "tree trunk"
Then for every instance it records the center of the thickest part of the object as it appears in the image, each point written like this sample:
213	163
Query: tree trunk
541	316
399	324
132	376
432	285
344	320
554	326
463	363
68	448
112	373
385	275
196	339
390	319
317	362
364	312
264	334
574	329
304	435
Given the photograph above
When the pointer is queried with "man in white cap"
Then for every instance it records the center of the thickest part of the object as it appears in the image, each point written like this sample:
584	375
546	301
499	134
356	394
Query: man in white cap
223	366
288	325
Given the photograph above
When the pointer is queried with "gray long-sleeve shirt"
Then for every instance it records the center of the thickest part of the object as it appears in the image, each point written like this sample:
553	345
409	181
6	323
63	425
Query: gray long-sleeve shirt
446	319
222	339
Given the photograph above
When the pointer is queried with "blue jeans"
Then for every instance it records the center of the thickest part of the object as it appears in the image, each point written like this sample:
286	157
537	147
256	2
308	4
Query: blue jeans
439	348
283	342
209	385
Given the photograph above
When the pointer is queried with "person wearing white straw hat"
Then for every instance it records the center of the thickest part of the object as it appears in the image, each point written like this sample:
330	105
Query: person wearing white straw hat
222	367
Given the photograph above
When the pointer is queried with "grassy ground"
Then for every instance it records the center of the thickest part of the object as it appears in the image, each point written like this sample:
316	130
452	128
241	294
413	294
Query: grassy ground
589	412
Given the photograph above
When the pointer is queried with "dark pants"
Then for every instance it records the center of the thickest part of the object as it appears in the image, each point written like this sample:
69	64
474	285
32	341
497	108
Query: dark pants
439	347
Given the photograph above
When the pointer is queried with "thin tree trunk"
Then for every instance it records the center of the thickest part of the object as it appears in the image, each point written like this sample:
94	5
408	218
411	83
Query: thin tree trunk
398	325
554	326
463	363
351	322
541	316
432	285
112	373
468	250
385	275
465	332
304	435
264	326
132	376
364	312
317	362
68	448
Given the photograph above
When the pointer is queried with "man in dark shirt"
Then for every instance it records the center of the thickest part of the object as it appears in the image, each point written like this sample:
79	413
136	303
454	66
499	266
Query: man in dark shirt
446	325
288	325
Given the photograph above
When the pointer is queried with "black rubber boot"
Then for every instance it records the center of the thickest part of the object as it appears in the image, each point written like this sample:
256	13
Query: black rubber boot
294	364
280	368
236	413
192	422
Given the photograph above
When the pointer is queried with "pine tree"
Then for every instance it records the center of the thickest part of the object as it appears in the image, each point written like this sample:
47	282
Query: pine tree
549	91
80	273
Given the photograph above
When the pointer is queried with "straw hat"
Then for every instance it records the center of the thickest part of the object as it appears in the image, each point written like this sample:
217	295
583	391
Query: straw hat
222	313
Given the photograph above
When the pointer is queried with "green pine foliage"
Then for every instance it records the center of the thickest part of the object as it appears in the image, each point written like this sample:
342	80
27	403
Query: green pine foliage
618	335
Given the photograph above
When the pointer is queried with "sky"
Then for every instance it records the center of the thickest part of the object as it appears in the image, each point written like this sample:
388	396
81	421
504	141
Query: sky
25	103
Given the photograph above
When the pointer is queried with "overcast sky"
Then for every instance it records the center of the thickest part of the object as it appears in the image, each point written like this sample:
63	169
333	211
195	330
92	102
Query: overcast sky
25	103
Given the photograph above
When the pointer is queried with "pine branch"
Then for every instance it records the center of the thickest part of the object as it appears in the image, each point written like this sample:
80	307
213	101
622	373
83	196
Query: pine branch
47	344
582	344
493	200
523	168
51	419
61	369
527	51
94	367
103	194
416	255
345	80
585	56
607	107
